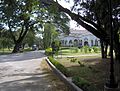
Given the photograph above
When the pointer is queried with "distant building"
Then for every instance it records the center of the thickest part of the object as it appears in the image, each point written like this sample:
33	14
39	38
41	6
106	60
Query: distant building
79	38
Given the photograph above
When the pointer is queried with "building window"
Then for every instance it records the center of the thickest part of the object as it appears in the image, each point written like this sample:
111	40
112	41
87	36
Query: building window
91	42
65	42
70	43
80	42
96	42
86	43
75	42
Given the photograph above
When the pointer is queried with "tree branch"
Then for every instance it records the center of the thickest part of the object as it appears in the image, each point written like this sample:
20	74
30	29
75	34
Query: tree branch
84	23
87	24
21	31
13	37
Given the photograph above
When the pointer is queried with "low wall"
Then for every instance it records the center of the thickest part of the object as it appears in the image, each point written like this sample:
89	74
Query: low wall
69	83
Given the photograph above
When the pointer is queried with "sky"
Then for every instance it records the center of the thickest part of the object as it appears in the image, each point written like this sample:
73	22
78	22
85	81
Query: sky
73	24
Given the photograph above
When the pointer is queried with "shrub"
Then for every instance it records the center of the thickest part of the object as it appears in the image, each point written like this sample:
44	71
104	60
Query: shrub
83	84
86	49
81	64
80	82
59	66
76	50
73	60
96	49
48	51
93	69
90	50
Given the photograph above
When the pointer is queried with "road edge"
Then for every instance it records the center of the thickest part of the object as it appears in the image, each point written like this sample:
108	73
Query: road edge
62	77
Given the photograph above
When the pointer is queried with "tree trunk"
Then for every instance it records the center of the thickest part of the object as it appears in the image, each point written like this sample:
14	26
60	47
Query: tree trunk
117	53
23	45
117	47
105	52
117	61
104	47
16	47
19	41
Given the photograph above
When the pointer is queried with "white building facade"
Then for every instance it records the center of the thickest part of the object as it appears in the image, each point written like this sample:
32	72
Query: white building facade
79	38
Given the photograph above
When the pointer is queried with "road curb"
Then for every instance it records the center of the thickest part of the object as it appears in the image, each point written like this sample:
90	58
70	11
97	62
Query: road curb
69	83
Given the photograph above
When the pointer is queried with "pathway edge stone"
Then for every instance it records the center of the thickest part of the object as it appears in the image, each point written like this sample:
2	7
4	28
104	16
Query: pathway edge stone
62	77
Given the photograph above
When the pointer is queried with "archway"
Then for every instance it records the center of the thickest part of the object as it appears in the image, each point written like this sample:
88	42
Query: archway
86	43
96	42
70	42
75	42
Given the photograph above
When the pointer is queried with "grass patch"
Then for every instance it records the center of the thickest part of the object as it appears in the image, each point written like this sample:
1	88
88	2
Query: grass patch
9	51
84	84
55	84
59	66
27	49
76	51
92	69
5	51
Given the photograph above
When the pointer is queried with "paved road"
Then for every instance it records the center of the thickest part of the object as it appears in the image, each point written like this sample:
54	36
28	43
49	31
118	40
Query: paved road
22	72
21	56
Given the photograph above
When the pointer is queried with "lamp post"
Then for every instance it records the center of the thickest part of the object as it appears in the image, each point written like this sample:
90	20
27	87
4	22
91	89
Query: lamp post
111	83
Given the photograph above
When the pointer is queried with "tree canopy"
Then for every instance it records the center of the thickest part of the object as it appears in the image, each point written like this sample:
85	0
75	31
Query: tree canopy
21	16
94	15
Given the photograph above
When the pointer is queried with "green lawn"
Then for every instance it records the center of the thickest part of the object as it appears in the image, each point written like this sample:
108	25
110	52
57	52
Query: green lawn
5	51
76	51
8	51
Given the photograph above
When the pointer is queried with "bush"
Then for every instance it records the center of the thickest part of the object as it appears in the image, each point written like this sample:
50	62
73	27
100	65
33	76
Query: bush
96	49
83	84
80	82
76	50
81	64
90	50
59	66
73	60
86	49
48	51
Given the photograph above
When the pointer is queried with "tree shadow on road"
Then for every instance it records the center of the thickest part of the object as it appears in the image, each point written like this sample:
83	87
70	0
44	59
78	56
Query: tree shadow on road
21	56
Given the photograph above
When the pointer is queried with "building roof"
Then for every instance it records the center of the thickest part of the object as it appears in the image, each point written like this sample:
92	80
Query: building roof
76	33
72	31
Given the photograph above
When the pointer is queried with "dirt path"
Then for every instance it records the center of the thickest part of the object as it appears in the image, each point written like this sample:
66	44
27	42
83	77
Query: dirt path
23	72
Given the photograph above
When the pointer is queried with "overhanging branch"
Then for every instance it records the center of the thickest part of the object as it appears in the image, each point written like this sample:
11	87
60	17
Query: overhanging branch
84	23
87	24
13	37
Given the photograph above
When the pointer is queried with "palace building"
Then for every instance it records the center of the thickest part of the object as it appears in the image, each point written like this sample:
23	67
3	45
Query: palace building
79	38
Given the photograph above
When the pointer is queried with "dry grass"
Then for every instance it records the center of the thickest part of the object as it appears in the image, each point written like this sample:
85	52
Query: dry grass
56	83
96	70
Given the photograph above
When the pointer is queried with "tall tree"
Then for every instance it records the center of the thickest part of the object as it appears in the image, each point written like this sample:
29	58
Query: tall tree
93	15
29	38
49	34
23	15
17	15
5	39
